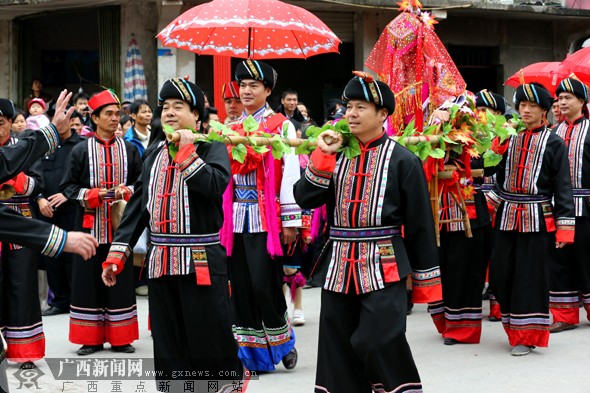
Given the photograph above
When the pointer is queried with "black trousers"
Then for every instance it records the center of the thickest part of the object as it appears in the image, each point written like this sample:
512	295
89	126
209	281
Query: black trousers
570	276
362	343
19	304
458	316
261	325
60	269
59	278
519	278
192	329
98	313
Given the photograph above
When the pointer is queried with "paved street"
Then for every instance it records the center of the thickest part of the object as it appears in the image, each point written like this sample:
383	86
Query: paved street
487	367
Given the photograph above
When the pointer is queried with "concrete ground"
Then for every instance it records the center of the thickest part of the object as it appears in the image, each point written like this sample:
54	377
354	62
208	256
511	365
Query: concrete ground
483	368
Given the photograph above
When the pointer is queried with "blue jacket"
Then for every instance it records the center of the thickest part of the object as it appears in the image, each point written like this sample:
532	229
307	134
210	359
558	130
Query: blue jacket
131	136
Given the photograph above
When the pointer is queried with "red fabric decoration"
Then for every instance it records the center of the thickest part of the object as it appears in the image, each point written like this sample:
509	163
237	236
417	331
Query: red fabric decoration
113	261
499	148
20	183
408	55
94	200
184	152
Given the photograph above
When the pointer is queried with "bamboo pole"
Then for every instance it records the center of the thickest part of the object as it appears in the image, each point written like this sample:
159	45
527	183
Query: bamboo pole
447	174
236	140
293	142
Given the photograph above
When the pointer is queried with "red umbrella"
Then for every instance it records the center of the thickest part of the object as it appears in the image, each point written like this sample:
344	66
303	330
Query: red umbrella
549	74
579	63
261	29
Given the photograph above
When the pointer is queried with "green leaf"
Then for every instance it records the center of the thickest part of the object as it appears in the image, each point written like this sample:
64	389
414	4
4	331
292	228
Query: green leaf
285	130
353	148
217	126
490	117
448	140
250	124
277	152
502	134
168	129
484	144
453	110
252	141
313	131
238	153
277	147
409	130
260	149
302	148
342	127
423	154
430	129
491	159
437	153
213	136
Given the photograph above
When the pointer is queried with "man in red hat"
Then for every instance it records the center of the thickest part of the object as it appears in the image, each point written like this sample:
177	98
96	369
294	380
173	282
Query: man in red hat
102	171
570	275
233	105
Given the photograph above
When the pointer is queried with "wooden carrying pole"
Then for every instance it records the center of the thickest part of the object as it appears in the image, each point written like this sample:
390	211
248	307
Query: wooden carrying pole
293	142
433	186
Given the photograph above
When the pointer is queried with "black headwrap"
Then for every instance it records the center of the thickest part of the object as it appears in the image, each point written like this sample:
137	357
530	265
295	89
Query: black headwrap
533	93
573	86
491	100
7	108
257	70
364	87
186	91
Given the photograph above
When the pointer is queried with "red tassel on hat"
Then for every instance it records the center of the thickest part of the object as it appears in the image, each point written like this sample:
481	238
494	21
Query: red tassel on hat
364	76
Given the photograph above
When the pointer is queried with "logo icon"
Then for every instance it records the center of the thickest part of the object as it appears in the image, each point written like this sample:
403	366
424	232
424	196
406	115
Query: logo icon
28	375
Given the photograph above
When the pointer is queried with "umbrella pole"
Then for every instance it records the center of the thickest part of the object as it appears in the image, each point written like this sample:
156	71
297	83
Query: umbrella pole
249	39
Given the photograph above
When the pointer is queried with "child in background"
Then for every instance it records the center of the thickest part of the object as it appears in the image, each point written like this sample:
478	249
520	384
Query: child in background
124	124
37	117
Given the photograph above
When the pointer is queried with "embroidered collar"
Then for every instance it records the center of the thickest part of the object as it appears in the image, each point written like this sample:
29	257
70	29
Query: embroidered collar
577	121
534	130
375	141
260	114
103	142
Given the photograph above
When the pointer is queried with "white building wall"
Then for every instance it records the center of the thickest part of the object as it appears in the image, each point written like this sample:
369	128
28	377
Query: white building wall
7	82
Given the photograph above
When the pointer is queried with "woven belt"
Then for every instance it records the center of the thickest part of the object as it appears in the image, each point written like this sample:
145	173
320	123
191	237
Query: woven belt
245	194
17	200
180	240
364	234
244	187
522	198
581	192
485	187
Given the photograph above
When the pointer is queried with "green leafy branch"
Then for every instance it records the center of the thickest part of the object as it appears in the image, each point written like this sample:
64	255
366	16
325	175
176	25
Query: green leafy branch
350	146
